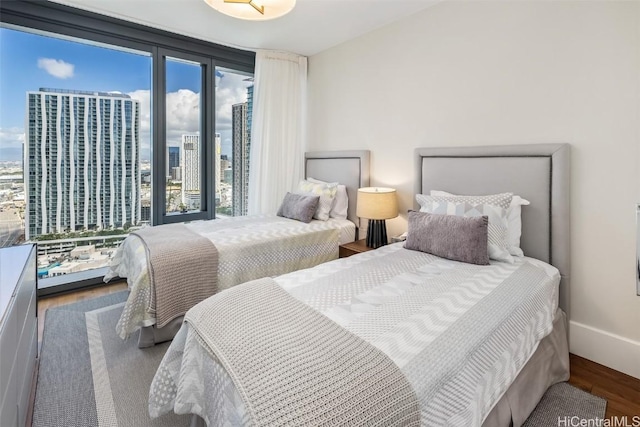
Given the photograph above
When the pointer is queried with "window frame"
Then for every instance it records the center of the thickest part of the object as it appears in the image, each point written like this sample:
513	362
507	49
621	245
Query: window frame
63	20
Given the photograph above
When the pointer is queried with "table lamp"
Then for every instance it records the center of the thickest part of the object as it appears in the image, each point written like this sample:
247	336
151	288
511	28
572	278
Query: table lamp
377	204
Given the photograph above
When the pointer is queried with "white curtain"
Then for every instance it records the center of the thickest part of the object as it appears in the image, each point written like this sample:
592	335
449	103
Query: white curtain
277	139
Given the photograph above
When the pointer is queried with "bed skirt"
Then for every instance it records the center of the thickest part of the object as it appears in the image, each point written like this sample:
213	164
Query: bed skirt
152	335
548	365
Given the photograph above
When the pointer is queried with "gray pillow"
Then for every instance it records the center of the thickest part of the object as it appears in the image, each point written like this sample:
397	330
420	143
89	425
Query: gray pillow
298	206
449	236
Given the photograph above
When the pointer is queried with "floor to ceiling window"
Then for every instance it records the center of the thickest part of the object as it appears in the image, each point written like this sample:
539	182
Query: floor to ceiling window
107	126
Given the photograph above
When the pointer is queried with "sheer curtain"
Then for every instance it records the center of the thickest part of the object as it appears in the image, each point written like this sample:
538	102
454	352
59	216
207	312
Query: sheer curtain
277	140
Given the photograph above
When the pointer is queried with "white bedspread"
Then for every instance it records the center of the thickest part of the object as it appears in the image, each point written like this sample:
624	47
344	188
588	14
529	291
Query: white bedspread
249	247
459	332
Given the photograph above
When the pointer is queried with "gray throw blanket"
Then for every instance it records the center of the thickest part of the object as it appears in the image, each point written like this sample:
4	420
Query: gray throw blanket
294	366
183	269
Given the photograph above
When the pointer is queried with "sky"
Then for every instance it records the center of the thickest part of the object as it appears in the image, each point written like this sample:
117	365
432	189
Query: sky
31	61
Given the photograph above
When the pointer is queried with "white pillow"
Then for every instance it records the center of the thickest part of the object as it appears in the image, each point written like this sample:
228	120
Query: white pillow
514	219
326	191
340	204
494	207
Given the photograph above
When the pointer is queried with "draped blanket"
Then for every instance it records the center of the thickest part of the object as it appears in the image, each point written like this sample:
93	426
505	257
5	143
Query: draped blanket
294	366
183	269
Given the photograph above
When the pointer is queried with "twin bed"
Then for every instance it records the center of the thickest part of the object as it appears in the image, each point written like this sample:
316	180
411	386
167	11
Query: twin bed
248	248
476	344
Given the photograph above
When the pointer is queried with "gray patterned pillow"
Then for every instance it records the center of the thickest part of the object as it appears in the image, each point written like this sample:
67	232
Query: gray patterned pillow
298	206
494	207
447	236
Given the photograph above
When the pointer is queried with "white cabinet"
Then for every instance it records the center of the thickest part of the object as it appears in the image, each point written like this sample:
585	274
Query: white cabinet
18	332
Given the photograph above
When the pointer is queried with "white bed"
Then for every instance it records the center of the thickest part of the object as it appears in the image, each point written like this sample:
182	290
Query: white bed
249	247
478	344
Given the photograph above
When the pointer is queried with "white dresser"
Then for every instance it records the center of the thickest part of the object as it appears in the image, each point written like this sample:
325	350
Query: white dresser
18	332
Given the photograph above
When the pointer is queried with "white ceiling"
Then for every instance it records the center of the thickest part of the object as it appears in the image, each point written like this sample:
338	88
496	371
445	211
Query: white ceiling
312	26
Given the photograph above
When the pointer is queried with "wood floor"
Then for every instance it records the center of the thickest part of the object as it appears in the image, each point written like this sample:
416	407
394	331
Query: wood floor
621	391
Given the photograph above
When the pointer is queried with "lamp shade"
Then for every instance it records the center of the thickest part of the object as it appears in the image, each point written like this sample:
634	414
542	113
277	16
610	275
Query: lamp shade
253	10
377	203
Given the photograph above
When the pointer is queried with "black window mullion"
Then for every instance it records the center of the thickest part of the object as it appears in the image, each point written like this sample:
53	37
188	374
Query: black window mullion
208	121
158	100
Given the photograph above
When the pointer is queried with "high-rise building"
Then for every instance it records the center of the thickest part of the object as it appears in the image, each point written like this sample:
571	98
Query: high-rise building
82	161
216	169
190	165
224	165
173	159
240	158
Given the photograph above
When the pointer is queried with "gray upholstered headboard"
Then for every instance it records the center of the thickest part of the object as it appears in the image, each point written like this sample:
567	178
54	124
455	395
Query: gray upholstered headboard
350	168
539	172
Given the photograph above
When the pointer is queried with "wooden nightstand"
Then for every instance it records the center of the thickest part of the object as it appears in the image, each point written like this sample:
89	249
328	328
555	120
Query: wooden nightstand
353	248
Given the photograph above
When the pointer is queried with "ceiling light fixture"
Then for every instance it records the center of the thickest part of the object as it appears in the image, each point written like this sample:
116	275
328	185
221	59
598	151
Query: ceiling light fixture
259	10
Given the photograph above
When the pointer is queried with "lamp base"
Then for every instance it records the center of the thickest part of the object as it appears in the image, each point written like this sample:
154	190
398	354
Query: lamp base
377	233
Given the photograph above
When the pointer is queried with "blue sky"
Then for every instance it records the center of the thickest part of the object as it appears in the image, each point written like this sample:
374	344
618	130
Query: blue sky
29	62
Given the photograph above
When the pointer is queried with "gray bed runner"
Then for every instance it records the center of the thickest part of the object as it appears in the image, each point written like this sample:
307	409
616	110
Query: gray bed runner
183	269
294	366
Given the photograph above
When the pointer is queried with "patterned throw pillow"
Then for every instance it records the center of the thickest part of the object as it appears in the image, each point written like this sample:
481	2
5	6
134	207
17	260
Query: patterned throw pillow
340	205
327	193
494	207
514	219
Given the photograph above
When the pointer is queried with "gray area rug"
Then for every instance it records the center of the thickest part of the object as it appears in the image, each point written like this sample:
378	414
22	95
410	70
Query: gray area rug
564	404
88	376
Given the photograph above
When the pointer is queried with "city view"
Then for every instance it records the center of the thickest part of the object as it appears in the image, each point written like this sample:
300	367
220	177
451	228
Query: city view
75	147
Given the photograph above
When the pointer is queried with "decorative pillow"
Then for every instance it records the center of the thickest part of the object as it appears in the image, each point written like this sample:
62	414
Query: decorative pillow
477	206
448	236
514	220
298	206
327	193
340	204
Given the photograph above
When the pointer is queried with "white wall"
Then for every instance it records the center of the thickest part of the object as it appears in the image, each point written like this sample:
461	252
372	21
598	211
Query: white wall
477	73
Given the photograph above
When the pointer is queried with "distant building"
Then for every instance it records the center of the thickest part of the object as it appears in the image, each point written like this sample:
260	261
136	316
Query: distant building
216	170
176	174
224	165
190	168
81	158
173	158
240	158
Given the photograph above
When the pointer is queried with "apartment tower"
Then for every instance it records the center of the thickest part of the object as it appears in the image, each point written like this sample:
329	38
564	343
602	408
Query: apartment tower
190	165
82	161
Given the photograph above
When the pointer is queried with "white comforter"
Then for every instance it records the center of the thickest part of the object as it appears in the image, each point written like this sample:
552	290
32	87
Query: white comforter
249	247
459	332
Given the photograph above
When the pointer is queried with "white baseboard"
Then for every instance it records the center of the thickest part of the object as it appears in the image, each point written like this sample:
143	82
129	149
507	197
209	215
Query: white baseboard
613	351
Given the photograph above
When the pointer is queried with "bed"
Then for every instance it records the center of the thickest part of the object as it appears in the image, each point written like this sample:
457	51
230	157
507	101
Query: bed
247	247
479	345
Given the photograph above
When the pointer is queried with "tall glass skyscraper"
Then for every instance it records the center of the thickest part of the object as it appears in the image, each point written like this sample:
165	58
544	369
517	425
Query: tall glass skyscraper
241	149
82	161
190	165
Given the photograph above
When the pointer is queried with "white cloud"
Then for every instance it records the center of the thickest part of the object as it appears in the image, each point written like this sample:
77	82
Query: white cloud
11	137
56	67
183	112
144	96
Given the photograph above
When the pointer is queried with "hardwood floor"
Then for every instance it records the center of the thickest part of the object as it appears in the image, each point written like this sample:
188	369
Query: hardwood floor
621	391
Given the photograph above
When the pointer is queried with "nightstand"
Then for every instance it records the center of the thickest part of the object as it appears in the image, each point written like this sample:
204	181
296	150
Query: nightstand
353	248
